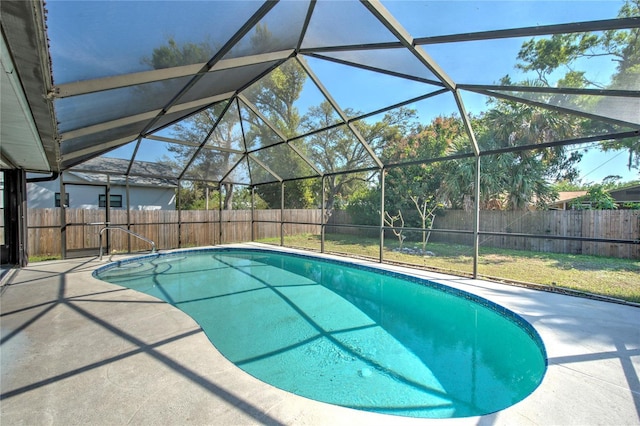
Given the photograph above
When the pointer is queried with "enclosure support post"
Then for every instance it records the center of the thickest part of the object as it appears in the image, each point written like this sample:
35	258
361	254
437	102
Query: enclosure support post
323	212
220	212
476	218
15	250
128	214
382	173
253	211
179	208
107	204
281	213
63	218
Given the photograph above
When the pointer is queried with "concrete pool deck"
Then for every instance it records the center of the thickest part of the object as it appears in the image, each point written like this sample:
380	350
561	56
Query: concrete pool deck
76	350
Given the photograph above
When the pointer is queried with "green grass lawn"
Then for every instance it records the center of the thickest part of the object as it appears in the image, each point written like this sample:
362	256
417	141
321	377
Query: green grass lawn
44	257
607	276
612	277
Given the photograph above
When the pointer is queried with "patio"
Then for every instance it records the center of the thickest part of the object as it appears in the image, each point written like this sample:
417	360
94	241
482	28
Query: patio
76	350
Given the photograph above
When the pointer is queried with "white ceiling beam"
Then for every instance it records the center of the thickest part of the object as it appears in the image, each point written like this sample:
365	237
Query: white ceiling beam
98	148
145	116
102	127
133	79
200	102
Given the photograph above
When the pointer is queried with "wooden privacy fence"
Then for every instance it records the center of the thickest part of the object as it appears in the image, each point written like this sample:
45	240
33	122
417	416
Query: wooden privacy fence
601	224
201	228
167	228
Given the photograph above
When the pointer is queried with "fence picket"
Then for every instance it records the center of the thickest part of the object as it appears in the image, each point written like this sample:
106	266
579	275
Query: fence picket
202	228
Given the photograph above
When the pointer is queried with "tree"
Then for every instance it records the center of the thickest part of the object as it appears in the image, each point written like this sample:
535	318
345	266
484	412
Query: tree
610	182
173	54
209	163
334	150
427	210
337	149
524	176
364	205
397	230
596	198
510	180
418	180
196	128
193	197
547	56
275	96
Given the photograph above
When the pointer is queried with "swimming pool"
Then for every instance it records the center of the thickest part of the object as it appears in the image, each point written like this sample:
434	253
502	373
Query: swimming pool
346	334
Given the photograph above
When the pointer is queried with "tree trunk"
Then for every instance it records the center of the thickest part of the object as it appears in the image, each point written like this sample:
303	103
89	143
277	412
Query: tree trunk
228	196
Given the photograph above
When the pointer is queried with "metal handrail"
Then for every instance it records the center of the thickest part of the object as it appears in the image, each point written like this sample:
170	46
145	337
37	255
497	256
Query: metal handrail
153	245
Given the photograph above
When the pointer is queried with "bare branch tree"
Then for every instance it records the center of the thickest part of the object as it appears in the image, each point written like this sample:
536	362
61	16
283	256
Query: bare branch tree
390	220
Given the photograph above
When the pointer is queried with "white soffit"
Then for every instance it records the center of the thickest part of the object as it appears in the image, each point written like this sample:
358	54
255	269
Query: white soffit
20	142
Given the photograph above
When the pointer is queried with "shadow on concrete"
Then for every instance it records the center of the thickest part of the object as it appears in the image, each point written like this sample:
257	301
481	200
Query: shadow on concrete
12	327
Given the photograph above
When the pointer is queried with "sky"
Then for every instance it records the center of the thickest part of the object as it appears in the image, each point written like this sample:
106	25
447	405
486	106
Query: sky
95	39
597	165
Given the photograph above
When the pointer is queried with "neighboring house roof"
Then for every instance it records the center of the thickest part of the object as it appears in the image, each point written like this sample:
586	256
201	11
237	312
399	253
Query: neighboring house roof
630	194
146	173
564	196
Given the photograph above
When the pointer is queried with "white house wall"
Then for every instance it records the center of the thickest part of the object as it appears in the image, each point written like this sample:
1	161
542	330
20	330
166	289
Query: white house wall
42	195
148	198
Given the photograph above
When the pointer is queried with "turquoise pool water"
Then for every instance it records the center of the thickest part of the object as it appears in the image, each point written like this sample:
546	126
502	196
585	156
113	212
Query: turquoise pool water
348	335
